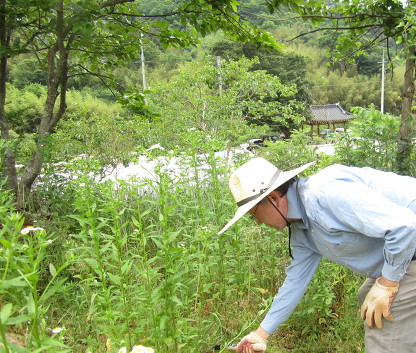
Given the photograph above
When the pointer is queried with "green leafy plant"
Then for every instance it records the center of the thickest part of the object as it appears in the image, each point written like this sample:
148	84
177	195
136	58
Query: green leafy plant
144	265
27	281
374	141
289	154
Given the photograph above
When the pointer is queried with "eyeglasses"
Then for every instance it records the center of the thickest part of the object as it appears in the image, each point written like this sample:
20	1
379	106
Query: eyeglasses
277	209
253	215
288	225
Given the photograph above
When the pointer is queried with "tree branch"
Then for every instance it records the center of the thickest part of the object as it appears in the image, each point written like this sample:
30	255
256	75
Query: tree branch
95	74
332	29
330	17
149	16
115	2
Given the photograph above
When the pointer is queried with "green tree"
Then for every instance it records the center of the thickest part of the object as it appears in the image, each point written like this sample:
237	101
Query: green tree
26	72
77	38
357	90
365	24
223	101
378	143
290	67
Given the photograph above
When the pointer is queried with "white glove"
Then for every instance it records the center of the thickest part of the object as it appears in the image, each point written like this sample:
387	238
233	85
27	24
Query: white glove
377	304
258	343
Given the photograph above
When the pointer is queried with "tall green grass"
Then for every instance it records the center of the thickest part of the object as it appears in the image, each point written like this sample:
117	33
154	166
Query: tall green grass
162	276
29	280
140	262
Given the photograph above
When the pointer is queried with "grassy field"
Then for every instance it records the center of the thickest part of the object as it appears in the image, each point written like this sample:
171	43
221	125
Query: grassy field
139	262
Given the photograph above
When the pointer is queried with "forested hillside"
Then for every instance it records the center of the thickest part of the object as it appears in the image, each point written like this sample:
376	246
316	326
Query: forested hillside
304	66
300	74
121	122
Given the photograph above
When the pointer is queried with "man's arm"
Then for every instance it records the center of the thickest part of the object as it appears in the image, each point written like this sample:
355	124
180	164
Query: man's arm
262	333
372	214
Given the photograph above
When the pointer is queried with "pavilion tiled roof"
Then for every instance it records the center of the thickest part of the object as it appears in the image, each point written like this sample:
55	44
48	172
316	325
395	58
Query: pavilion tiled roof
329	113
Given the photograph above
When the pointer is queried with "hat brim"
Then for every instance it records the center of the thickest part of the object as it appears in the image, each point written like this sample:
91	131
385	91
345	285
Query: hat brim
283	177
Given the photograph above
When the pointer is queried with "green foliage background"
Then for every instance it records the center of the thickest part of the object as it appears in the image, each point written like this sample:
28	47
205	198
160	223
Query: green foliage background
138	261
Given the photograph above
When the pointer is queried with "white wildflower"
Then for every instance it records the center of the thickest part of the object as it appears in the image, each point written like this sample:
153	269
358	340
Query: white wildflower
122	350
28	229
156	146
142	349
57	330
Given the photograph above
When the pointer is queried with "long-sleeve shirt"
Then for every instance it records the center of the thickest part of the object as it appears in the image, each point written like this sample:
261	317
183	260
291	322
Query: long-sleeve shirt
360	218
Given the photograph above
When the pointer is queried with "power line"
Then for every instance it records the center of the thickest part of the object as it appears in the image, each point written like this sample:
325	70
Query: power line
346	84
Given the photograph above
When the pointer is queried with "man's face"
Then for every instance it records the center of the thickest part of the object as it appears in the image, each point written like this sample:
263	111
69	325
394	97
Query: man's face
265	211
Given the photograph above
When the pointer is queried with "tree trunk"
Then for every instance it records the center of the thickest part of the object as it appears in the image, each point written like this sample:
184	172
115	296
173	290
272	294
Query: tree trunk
405	143
9	162
57	86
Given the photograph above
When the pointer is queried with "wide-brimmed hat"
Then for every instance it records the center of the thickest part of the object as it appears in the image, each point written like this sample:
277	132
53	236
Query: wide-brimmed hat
253	181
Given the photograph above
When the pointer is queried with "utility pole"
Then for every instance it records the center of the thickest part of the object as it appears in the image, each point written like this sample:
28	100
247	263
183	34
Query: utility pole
219	74
143	68
382	85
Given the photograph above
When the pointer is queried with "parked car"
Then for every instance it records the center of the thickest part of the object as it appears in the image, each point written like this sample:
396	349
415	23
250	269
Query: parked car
273	138
260	142
254	144
341	130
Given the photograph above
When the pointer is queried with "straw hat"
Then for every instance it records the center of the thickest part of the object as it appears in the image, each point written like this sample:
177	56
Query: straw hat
253	181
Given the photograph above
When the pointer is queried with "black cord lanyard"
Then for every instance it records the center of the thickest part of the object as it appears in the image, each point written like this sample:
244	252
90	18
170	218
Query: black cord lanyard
287	223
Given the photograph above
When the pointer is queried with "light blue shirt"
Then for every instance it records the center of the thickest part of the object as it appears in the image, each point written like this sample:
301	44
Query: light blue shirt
360	218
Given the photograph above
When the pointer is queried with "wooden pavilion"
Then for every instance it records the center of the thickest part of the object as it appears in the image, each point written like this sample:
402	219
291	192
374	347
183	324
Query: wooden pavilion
329	114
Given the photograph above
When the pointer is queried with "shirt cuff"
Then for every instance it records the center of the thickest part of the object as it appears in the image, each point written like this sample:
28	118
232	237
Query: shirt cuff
270	328
393	273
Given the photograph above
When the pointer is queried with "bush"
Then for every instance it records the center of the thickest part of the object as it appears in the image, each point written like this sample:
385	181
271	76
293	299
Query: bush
373	143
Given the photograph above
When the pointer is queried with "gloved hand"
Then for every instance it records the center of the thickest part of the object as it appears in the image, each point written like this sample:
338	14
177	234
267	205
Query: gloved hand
377	304
252	343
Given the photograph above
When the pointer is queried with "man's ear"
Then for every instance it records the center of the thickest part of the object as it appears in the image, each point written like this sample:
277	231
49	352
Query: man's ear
274	195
